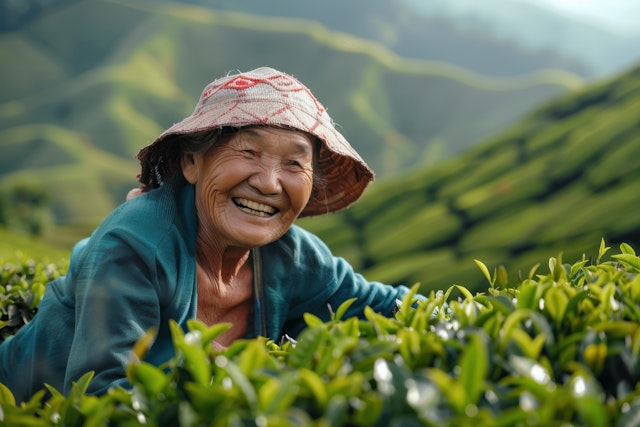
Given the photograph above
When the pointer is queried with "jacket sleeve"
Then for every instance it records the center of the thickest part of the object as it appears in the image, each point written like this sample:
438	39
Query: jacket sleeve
382	298
117	301
136	272
319	282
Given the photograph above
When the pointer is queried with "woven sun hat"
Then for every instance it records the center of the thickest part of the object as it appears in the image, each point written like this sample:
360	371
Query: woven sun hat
267	97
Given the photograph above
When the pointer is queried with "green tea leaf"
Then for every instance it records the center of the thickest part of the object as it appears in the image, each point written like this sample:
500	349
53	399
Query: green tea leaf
593	412
528	296
336	412
617	329
574	302
485	271
409	345
502	278
312	320
602	251
276	395
464	291
382	324
6	397
556	301
625	248
351	327
252	358
79	387
177	334
453	390
143	345
26	421
197	363
406	310
594	355
343	308
500	303
208	333
474	365
530	347
533	270
240	380
151	378
629	260
556	267
315	384
305	351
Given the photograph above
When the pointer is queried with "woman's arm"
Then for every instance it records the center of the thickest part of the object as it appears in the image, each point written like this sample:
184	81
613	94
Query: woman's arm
309	278
116	302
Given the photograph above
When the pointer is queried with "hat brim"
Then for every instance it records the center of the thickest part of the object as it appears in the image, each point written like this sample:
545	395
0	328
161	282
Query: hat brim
344	173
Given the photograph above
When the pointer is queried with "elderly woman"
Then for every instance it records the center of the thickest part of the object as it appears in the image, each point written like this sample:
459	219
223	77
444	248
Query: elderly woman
212	237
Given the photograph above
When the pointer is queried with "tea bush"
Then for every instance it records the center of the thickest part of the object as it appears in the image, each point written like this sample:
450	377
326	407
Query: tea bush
557	348
22	285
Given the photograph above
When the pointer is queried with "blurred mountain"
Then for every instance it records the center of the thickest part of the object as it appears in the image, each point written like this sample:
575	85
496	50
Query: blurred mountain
556	183
603	51
88	83
421	30
492	37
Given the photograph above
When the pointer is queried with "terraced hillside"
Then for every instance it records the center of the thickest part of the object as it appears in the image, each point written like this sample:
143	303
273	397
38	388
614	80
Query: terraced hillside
86	87
560	181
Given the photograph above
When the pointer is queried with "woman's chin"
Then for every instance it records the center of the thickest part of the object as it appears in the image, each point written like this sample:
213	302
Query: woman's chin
253	235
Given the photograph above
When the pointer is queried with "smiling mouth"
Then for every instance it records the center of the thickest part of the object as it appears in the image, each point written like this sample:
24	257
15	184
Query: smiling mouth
254	208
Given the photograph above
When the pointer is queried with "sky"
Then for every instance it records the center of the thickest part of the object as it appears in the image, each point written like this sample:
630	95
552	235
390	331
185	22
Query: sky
618	15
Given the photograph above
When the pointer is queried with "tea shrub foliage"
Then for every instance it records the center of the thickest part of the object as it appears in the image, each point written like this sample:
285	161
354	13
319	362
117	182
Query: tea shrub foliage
560	347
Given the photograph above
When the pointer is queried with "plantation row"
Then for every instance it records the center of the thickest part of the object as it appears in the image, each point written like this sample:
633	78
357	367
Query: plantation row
558	181
561	345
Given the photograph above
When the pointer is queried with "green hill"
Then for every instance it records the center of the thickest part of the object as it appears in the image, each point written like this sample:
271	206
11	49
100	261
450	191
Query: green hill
14	245
565	177
87	85
419	29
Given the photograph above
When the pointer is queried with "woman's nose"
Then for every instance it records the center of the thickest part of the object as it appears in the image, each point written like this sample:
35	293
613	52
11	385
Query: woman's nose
266	180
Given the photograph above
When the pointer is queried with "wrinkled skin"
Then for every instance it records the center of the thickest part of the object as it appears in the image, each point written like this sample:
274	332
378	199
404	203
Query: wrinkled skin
249	191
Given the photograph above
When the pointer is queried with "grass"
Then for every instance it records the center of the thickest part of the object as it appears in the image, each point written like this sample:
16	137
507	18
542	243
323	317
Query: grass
15	244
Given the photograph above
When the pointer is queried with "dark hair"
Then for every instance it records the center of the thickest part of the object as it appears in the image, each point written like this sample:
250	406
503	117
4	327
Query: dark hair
168	158
203	141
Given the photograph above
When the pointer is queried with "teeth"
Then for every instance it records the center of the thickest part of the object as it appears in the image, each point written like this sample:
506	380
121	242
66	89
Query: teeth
255	208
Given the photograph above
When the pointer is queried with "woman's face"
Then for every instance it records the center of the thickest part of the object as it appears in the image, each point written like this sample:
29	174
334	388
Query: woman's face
252	187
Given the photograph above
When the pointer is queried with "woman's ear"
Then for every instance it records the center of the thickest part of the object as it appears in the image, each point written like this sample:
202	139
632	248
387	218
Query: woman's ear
189	167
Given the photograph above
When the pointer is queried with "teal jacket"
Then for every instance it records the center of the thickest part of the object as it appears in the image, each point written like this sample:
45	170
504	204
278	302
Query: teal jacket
137	271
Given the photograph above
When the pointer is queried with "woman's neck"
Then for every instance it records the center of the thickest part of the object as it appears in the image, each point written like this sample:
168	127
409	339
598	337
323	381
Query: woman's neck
224	280
221	264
